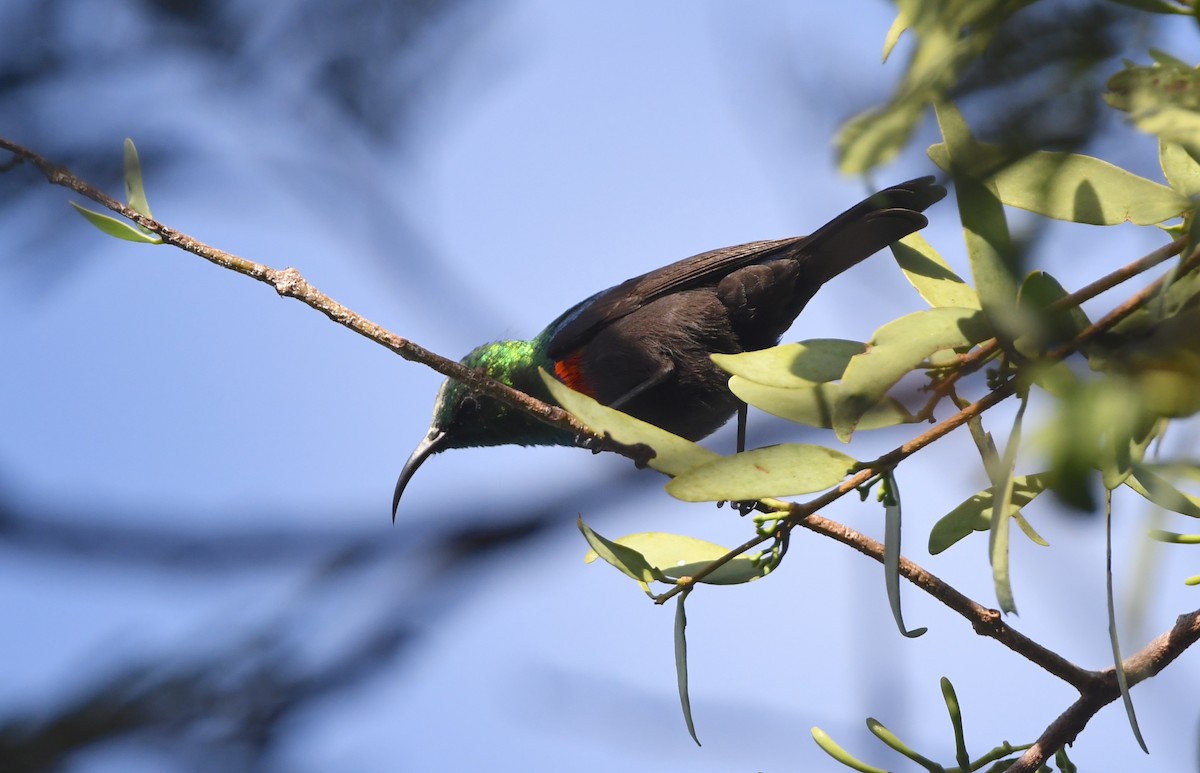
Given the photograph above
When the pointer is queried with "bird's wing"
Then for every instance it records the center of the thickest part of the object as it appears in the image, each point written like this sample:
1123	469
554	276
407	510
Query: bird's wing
578	324
896	210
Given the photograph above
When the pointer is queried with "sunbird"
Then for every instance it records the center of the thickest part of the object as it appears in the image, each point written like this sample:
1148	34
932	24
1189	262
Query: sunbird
643	346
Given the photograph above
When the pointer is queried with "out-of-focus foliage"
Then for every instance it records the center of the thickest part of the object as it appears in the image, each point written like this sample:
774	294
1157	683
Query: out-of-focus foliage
1111	386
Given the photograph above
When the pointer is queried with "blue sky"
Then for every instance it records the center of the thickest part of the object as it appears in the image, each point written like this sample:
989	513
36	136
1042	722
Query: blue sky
565	148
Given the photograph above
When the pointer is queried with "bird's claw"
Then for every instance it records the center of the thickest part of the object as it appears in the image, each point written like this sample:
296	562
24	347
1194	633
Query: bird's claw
745	507
640	453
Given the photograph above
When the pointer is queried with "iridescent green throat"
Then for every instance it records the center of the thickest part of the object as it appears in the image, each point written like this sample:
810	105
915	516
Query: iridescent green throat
476	420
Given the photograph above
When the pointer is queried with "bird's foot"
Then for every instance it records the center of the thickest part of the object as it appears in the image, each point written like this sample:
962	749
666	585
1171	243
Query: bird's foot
640	453
746	507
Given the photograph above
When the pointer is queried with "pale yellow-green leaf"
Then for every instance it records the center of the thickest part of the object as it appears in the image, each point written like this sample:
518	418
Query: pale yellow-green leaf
897	348
1069	186
892	741
1173	123
628	560
975	512
798	365
776	471
1029	531
1145	481
875	136
135	192
931	276
831	747
673	454
813	407
949	37
1044	328
1174	538
676	556
985	229
118	228
1162	99
998	539
1180	168
899	25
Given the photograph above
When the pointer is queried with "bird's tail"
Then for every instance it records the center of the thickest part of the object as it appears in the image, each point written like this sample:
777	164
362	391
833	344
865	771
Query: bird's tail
869	226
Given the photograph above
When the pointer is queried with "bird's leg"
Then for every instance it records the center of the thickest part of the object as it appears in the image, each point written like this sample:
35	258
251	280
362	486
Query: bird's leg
743	508
743	410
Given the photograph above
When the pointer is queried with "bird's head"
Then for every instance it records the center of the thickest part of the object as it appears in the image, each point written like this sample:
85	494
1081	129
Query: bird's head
463	418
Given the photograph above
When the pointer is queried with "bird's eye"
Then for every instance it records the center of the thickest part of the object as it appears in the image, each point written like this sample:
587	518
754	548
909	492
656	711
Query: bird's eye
468	407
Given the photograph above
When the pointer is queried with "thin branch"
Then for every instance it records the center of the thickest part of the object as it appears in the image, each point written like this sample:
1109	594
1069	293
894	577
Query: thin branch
289	283
1122	274
1103	690
986	622
1123	310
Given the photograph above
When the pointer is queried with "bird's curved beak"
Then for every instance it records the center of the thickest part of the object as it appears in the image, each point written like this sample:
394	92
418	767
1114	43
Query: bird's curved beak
430	445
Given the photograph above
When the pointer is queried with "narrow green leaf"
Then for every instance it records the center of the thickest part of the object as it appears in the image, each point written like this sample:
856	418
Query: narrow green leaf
1000	766
676	556
1029	531
897	348
975	512
891	553
960	739
891	741
118	228
673	454
1046	329
1193	580
1173	537
1126	434
1118	663
985	229
987	448
1056	378
624	558
135	193
1162	99
949	38
998	542
830	747
776	471
1163	58
931	276
1161	492
876	135
1068	186
801	365
681	674
998	753
813	407
1060	758
899	25
1181	169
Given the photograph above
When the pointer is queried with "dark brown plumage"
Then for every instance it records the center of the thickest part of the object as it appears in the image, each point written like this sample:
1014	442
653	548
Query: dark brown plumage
644	345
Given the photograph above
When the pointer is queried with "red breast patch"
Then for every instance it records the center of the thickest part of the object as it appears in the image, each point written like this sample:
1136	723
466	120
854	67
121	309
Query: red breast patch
570	372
